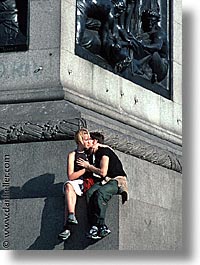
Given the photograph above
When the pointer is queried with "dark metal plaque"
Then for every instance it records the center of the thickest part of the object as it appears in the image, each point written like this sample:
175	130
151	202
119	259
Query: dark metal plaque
14	19
131	38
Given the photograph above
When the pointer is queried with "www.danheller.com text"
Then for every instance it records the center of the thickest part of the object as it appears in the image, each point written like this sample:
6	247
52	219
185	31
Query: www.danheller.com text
5	196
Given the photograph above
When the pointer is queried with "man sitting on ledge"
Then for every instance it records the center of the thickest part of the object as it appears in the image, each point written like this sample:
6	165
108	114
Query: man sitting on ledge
112	181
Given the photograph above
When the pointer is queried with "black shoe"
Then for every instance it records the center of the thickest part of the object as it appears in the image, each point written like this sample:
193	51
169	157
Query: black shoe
124	195
104	231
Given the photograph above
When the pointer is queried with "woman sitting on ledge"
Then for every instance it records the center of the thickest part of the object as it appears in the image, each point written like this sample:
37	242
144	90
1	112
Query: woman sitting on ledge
74	185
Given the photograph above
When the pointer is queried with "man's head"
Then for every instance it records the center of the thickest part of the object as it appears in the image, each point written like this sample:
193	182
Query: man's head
95	139
97	136
82	137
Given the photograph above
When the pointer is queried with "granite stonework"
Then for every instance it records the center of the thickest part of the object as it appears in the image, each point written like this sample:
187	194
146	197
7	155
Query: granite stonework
152	219
34	75
46	94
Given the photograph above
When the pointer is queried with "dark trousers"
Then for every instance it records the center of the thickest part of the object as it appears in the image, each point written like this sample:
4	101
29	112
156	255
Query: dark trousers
97	198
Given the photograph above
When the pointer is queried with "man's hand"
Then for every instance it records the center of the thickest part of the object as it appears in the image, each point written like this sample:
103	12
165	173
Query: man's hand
81	162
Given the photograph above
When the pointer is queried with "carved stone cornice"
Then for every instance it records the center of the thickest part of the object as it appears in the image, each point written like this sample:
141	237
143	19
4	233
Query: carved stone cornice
139	148
52	121
65	129
146	151
46	131
38	121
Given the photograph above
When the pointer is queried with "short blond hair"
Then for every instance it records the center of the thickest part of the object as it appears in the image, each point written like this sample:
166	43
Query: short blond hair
79	135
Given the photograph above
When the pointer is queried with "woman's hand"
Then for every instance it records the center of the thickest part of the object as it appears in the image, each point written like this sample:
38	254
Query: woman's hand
81	162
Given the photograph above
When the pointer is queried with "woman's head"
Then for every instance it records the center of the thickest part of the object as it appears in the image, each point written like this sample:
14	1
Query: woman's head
82	137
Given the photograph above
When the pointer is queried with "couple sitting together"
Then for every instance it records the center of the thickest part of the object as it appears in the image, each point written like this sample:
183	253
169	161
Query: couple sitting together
95	171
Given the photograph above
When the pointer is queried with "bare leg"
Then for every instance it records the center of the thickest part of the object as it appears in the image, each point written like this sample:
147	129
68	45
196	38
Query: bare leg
70	203
70	200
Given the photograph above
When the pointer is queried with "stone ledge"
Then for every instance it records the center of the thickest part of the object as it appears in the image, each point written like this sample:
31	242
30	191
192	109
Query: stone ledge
41	121
31	95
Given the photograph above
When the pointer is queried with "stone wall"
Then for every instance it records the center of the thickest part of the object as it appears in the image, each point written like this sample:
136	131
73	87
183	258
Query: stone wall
152	219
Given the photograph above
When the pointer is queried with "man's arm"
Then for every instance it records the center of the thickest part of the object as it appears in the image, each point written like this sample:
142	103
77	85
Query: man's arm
102	171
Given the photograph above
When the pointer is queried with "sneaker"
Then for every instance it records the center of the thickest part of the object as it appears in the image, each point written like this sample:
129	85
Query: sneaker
72	219
93	233
104	231
65	234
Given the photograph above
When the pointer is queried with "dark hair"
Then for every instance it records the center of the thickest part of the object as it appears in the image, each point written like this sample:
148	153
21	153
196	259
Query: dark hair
97	136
